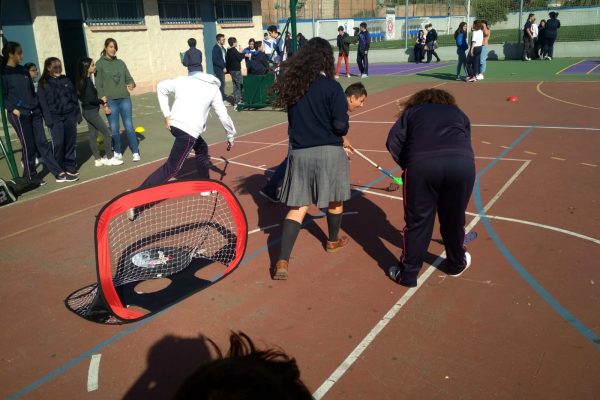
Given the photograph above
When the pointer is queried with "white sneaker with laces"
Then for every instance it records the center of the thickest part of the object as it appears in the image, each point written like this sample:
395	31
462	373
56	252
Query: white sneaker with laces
113	161
467	264
118	156
99	162
136	157
480	77
364	76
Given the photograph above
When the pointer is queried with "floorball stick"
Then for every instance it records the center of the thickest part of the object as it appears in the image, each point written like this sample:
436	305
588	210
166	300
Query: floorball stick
384	171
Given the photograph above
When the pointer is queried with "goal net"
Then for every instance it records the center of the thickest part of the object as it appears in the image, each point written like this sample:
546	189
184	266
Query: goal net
186	234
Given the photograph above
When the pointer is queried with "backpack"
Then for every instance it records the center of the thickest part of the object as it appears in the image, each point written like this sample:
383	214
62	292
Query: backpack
6	194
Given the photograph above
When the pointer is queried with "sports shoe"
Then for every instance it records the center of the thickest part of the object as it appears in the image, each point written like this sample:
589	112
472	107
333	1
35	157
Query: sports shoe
549	58
461	270
471	79
347	75
73	173
113	161
479	77
459	78
66	177
364	76
118	156
136	157
332	247
131	214
100	162
269	194
394	274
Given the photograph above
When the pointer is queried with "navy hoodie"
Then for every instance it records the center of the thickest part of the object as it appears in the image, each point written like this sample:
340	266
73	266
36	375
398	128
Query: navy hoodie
58	100
18	89
427	131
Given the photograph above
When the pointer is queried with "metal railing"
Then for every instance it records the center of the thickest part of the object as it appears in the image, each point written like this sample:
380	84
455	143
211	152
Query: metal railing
113	12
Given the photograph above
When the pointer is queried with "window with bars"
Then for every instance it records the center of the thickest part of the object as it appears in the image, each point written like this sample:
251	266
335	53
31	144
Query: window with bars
231	12
113	12
173	12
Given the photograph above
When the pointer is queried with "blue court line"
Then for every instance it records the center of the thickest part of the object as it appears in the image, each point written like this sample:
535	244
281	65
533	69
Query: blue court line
87	354
543	293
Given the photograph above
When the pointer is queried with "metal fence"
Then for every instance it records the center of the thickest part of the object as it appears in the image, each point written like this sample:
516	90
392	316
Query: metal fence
580	19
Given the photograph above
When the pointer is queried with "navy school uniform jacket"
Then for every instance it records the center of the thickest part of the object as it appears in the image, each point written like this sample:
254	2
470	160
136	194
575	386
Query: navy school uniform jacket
431	36
58	100
427	131
217	57
364	41
258	64
18	89
320	117
552	27
192	59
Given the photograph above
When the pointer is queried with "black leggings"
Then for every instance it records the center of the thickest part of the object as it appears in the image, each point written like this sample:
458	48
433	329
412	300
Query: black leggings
474	61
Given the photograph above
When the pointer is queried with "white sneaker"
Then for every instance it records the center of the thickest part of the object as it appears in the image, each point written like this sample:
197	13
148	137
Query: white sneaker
113	161
118	156
548	58
347	75
479	77
467	264
364	76
136	157
100	162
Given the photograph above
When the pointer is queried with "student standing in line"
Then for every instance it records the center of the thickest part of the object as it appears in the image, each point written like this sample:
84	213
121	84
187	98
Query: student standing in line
218	61
343	45
484	50
114	82
460	36
233	64
60	108
88	95
528	37
278	45
25	115
431	43
258	62
539	44
364	43
419	48
186	120
550	35
192	58
474	57
33	73
438	166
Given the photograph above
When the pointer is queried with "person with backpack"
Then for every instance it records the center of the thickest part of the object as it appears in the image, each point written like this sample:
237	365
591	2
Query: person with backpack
431	43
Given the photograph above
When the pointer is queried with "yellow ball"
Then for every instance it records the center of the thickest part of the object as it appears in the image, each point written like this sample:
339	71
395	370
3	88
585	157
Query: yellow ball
140	129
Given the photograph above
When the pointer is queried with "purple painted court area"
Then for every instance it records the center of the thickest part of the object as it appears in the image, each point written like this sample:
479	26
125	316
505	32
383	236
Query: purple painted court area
396	69
584	67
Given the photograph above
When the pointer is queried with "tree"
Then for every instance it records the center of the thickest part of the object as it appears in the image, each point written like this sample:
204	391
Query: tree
492	11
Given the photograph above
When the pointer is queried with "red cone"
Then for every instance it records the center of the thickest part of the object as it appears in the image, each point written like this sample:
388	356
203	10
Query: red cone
512	98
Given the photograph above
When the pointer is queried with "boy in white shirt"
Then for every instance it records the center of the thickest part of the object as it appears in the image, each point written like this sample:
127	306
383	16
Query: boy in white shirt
186	120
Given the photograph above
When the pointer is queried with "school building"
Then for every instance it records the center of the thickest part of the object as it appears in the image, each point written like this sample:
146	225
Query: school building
150	34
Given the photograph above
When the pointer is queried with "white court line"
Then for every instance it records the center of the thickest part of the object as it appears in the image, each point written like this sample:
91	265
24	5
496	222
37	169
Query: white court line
318	216
378	328
589	165
264	228
558	158
92	381
575	128
530	152
265	143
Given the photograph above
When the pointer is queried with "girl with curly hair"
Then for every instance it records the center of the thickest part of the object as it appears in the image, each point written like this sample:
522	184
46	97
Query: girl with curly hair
438	172
317	168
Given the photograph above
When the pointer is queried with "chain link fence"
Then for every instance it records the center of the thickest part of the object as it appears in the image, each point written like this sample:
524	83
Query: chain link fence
580	19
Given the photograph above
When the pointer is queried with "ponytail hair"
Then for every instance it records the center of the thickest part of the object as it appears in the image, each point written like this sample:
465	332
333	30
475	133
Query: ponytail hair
106	43
9	48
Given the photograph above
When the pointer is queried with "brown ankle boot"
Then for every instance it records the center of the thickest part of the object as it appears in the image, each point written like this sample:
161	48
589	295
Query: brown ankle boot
280	273
332	247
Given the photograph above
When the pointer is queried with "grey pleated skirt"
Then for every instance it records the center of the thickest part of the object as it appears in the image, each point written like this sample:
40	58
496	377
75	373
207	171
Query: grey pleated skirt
316	175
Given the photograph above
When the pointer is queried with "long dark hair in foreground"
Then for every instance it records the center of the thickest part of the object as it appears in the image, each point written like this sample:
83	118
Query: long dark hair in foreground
245	373
427	96
300	71
82	72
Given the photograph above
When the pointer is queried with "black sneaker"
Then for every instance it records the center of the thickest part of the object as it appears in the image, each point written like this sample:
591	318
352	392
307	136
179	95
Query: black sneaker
66	177
269	194
460	270
72	173
395	275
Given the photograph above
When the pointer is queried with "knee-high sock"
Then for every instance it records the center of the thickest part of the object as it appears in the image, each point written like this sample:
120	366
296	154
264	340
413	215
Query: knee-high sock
334	223
288	238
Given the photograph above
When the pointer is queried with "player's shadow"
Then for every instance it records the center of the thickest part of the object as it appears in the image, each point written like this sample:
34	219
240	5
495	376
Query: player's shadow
270	214
446	76
170	361
189	170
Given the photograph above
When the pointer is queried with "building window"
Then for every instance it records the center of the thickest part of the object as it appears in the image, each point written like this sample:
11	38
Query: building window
113	12
231	12
173	12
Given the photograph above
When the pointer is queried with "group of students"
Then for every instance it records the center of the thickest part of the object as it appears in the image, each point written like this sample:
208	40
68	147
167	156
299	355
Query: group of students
362	38
538	40
426	44
472	57
55	101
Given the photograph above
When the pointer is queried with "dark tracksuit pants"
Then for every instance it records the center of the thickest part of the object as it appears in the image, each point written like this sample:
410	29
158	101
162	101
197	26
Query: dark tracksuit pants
30	130
218	72
64	143
362	59
443	184
474	62
184	143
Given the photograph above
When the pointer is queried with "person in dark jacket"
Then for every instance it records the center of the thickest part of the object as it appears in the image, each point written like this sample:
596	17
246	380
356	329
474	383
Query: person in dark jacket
460	36
60	108
438	172
431	43
364	43
317	168
25	115
88	95
218	61
550	35
258	62
539	43
251	49
343	45
233	63
192	58
419	48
